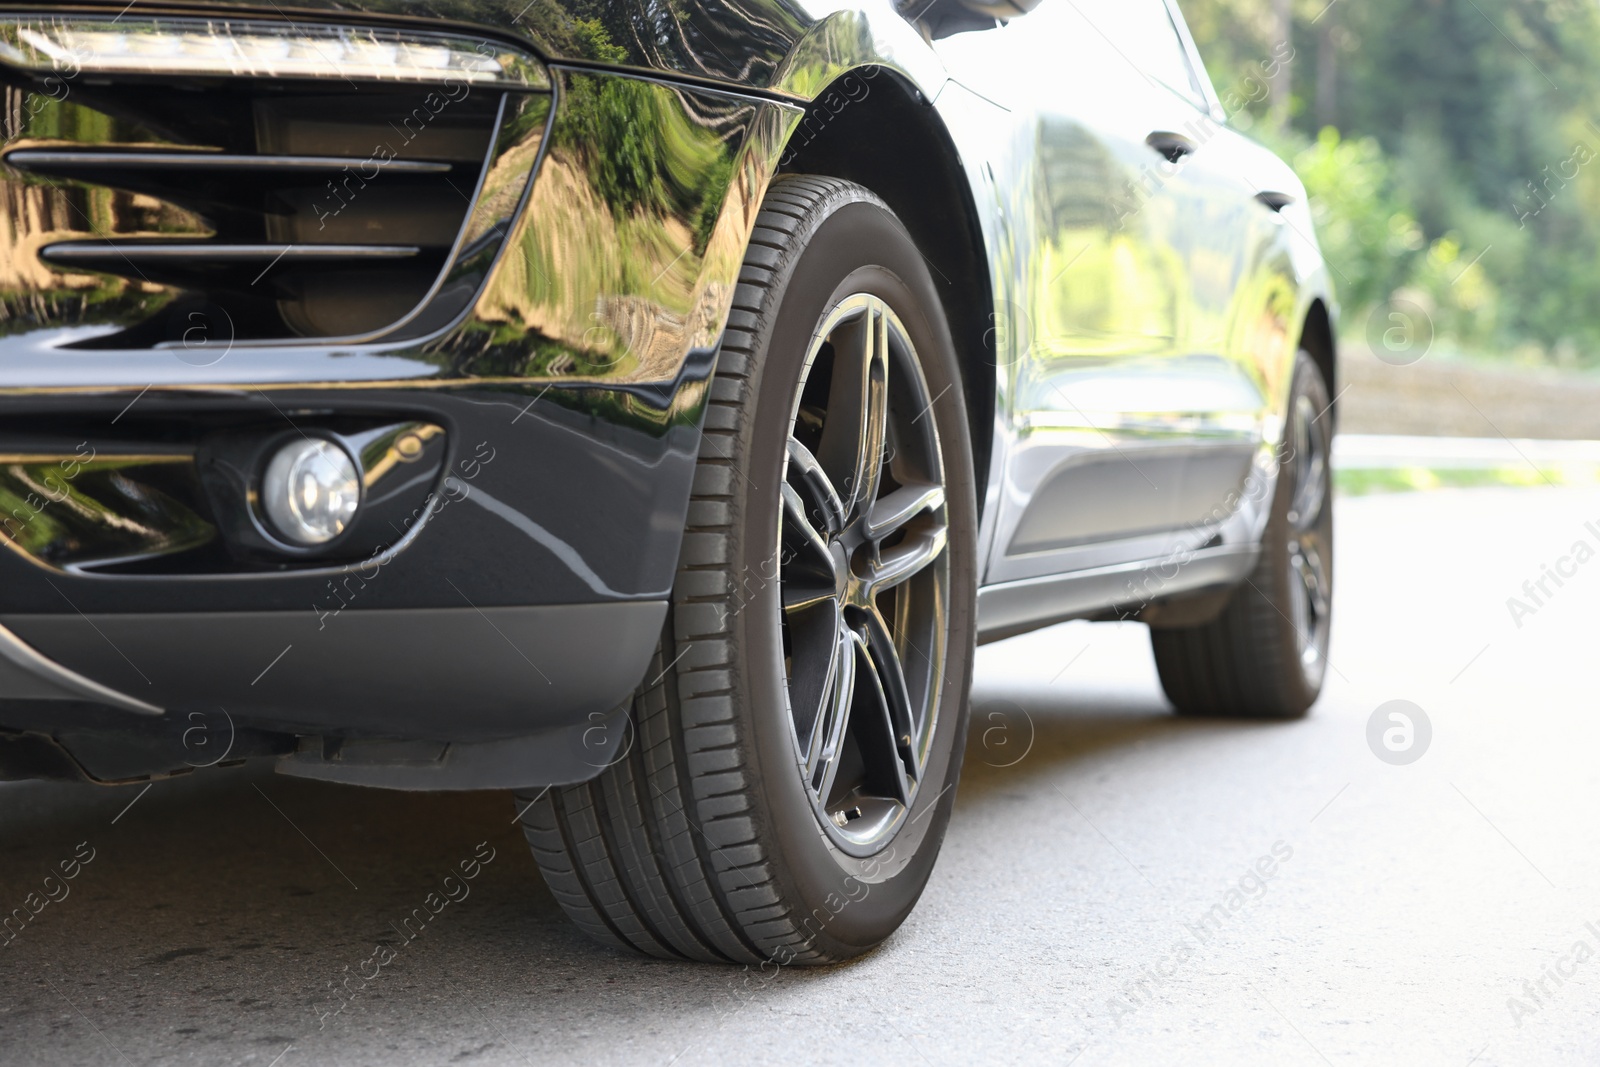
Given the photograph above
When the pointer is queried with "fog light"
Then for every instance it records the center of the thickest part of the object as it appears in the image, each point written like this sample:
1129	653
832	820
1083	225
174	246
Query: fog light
310	491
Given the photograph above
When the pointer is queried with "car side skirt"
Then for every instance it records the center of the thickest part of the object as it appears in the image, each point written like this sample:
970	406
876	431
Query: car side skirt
1123	591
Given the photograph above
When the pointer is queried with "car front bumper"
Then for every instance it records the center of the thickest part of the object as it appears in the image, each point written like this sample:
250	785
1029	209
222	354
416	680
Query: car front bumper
518	581
521	598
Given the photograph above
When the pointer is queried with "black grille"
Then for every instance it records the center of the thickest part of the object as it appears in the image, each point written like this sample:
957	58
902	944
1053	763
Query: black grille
307	209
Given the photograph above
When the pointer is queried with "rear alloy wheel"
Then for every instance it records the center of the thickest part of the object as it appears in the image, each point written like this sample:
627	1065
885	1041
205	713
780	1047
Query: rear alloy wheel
1266	655
798	744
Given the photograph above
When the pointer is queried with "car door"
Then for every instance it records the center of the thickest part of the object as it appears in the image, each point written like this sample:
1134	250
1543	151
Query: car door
1224	382
1128	419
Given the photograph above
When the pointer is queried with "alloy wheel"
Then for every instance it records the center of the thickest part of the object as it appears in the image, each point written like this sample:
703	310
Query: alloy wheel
864	573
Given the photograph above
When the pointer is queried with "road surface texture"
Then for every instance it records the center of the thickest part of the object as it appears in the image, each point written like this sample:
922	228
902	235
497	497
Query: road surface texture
1119	886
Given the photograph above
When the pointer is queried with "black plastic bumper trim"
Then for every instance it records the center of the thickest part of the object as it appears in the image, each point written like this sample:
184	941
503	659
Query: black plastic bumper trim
443	674
562	756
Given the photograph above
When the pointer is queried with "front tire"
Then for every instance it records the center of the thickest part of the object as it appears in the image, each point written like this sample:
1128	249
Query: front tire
800	736
1266	655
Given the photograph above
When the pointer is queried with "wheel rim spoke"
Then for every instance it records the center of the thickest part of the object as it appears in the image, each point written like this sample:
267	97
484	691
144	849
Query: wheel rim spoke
895	565
823	769
805	563
809	477
1309	592
891	512
852	446
1310	583
862	517
876	724
892	679
813	674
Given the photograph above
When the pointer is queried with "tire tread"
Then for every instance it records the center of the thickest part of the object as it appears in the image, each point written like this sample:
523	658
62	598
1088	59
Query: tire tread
1245	662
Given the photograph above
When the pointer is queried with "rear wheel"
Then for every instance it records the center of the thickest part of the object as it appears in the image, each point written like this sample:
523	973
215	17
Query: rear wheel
1265	656
801	733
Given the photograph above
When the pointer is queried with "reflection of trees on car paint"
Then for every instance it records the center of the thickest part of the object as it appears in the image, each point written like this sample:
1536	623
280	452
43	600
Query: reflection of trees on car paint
631	242
83	506
39	210
741	41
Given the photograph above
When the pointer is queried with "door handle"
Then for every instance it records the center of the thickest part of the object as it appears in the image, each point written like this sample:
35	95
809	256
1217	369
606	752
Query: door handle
1172	146
1275	200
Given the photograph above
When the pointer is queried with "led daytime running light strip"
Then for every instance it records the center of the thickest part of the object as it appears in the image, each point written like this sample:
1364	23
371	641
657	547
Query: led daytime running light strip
223	48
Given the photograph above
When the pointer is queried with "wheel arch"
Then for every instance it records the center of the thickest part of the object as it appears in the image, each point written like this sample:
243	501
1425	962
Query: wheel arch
1316	337
915	167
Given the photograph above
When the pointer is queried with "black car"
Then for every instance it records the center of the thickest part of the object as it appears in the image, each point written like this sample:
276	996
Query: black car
645	409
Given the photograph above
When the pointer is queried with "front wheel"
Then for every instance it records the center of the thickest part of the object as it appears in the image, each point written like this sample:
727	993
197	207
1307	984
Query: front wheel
1265	656
801	735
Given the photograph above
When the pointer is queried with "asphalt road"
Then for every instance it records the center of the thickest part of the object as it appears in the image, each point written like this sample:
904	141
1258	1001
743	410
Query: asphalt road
1101	897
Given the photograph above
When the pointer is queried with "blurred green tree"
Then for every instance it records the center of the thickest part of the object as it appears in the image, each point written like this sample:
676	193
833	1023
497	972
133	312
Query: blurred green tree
1448	147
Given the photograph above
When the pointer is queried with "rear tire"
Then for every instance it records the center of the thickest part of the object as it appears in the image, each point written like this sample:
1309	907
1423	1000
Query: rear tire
800	732
1265	656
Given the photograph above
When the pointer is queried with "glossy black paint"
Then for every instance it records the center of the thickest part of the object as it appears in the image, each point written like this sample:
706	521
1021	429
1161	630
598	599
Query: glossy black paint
553	492
734	42
252	219
487	534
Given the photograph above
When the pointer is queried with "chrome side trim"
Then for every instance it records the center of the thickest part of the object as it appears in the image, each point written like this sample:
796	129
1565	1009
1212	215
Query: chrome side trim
27	675
1016	607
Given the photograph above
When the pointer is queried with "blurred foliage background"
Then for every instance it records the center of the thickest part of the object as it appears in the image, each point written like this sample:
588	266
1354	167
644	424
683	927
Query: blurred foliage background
1449	149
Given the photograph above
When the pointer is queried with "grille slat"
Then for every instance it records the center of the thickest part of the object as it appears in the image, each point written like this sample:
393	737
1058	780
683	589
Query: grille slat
235	191
83	253
237	268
